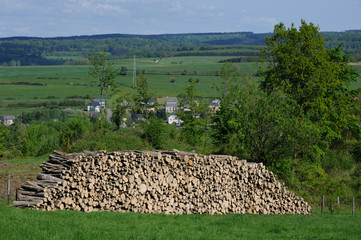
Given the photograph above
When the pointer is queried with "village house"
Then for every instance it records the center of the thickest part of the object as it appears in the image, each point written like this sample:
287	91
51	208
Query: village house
149	106
7	120
214	106
186	105
173	119
139	117
95	105
171	105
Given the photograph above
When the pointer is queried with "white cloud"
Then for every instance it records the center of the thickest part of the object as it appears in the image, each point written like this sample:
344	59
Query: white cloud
206	7
191	12
103	8
175	6
272	20
85	4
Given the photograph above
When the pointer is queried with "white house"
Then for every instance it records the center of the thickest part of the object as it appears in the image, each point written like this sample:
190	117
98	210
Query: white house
96	104
7	120
173	119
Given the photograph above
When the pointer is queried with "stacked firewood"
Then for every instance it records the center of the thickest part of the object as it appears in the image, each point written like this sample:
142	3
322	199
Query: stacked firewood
171	182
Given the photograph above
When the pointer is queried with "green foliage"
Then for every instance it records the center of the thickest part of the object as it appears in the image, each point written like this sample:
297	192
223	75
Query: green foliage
154	132
298	64
119	112
337	160
259	126
4	139
194	116
44	115
124	70
142	89
73	130
102	70
105	139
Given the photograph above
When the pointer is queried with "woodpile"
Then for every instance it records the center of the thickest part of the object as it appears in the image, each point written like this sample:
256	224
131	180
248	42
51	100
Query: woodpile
171	182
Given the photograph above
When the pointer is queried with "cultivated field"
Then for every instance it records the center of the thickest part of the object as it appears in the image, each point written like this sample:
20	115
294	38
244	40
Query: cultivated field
45	85
41	85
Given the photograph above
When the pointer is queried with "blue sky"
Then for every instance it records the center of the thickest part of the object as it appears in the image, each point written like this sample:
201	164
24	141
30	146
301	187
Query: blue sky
50	18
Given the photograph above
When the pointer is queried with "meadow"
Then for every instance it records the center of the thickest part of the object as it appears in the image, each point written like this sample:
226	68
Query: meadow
31	224
56	83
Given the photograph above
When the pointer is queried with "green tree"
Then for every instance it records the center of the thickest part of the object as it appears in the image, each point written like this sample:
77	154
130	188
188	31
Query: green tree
262	127
228	74
72	130
142	96
124	70
102	69
194	115
297	63
119	113
142	89
154	132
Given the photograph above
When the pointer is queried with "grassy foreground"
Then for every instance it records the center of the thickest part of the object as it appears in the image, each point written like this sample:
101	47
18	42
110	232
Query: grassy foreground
30	224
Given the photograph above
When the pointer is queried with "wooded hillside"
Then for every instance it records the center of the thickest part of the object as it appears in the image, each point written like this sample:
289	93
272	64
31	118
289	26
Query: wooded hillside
50	51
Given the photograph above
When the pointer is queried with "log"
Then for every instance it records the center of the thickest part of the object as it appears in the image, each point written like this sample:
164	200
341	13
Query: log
25	203
42	176
32	188
22	197
173	182
29	193
58	152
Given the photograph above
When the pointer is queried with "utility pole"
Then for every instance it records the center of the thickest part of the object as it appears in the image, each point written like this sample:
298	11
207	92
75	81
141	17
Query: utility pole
134	73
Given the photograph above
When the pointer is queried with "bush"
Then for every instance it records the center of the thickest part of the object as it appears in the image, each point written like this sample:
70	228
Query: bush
154	132
73	130
334	160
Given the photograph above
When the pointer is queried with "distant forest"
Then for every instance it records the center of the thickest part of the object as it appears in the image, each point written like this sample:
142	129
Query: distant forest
24	51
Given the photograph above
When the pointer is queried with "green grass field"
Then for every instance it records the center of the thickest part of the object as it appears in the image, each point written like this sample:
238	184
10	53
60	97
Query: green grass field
31	224
60	82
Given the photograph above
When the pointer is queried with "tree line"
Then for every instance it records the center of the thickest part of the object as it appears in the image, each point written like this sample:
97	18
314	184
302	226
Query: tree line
34	51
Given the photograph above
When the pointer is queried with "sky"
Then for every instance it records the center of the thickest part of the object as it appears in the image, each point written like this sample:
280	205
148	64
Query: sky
52	18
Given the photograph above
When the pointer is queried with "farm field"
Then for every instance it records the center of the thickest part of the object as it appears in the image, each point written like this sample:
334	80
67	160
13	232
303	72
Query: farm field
30	224
43	85
38	85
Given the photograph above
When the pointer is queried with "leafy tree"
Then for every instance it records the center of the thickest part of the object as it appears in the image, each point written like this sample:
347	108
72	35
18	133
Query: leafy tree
142	89
297	63
194	115
154	132
124	70
259	126
142	95
72	130
120	111
228	74
102	69
4	138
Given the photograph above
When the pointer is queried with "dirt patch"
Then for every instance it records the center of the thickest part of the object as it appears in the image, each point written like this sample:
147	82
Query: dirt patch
355	63
18	173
